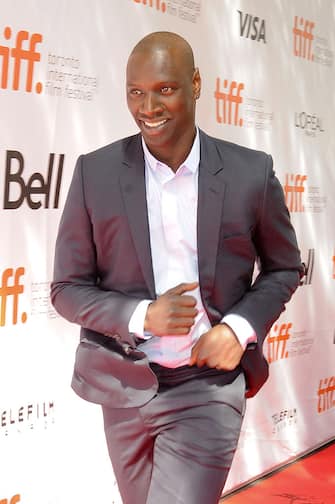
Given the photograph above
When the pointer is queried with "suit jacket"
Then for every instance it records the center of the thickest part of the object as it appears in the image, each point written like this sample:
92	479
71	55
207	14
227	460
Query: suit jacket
103	264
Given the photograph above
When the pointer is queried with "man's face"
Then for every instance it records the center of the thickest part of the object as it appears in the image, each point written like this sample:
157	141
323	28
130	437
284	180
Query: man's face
161	94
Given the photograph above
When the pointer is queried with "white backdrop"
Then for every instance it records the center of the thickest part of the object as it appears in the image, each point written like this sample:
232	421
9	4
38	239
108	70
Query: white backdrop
268	83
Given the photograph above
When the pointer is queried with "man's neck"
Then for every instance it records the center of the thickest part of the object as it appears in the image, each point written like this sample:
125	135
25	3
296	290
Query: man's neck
174	155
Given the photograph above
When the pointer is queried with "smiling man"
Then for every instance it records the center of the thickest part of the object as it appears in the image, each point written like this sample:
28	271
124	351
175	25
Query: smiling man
161	94
154	260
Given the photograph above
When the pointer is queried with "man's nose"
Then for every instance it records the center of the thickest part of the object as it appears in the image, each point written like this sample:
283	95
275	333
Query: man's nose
150	104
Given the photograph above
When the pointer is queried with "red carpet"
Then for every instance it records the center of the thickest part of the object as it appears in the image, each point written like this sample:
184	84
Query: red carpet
310	480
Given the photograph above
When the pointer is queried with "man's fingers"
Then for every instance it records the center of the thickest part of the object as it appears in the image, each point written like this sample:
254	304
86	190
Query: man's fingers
182	287
182	322
194	355
181	309
187	301
179	331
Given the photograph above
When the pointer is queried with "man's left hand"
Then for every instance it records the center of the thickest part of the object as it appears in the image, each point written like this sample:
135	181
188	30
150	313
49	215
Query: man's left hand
218	348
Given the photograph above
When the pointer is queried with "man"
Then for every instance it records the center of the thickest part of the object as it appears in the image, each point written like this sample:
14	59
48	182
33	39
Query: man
154	260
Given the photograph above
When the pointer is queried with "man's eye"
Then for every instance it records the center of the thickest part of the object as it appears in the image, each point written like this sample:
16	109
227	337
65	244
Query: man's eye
166	90
135	92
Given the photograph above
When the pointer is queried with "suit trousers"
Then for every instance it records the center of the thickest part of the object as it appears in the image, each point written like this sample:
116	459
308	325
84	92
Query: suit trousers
178	447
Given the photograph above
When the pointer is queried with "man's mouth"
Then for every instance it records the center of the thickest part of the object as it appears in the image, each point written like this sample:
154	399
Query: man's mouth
154	125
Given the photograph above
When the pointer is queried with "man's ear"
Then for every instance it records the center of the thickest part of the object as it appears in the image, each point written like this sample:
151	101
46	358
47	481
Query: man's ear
196	83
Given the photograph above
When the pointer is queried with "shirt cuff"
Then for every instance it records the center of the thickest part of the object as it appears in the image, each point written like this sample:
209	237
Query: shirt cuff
136	322
242	329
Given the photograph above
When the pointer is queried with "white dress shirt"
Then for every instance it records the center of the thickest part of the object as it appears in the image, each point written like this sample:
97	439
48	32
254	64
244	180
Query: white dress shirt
172	201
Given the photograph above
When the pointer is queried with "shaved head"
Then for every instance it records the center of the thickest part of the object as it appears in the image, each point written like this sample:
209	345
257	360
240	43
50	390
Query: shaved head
163	41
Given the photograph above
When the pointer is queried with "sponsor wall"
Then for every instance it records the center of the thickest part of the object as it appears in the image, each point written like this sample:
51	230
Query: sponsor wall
268	83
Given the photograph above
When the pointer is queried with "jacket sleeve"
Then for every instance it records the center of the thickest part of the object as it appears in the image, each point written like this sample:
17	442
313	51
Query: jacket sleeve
75	290
280	267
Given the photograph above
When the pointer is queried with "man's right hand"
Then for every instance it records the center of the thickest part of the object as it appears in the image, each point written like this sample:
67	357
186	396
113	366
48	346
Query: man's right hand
172	312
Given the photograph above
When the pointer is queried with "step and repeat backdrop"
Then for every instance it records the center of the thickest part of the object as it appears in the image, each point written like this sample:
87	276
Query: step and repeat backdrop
268	75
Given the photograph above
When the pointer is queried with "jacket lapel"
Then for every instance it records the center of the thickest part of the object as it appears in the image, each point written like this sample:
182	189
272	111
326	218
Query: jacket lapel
210	205
132	182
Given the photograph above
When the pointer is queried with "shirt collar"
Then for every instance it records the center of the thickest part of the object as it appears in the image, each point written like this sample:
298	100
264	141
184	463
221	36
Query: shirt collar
191	162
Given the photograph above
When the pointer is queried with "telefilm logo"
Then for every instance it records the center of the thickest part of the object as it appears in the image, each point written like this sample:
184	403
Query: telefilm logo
37	190
309	267
12	500
186	10
284	419
294	189
326	394
310	124
27	417
252	27
19	59
11	289
303	38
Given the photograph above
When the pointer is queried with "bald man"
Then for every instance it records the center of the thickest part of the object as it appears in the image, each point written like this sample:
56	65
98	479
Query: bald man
154	260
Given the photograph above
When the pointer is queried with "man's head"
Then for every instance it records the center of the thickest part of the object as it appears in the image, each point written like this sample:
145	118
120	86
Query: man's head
162	88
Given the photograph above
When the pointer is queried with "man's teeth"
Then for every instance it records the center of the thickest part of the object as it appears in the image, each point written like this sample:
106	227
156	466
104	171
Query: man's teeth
154	124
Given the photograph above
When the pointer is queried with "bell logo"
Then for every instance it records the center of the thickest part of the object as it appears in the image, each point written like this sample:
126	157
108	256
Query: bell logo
14	500
227	99
252	27
326	394
303	38
34	186
13	56
11	289
294	189
153	3
276	342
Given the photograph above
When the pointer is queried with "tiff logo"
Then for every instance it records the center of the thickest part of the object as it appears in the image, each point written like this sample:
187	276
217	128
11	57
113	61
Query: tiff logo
16	55
252	27
226	100
294	189
326	391
309	266
153	3
14	500
14	290
303	38
276	342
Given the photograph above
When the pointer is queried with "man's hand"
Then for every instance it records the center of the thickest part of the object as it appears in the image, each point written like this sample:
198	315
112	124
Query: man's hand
172	313
218	348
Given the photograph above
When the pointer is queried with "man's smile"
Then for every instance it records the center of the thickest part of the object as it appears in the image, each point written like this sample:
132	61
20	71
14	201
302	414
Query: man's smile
154	125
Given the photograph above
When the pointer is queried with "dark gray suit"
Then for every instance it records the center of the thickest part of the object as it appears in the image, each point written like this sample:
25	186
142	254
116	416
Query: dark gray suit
103	261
